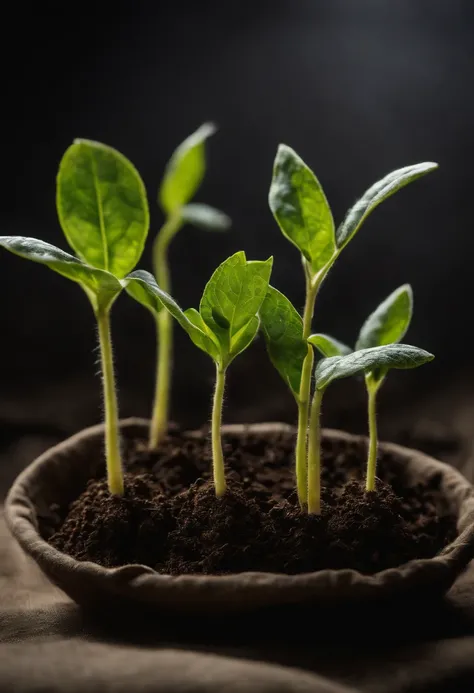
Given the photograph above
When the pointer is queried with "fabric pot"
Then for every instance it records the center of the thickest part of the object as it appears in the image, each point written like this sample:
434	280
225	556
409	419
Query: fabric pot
61	474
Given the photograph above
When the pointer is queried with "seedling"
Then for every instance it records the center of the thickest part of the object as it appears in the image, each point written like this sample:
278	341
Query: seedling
103	211
388	324
300	207
182	178
366	361
225	325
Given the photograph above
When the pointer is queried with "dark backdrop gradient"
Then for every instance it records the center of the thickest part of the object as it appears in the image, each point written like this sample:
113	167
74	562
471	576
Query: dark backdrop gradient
357	88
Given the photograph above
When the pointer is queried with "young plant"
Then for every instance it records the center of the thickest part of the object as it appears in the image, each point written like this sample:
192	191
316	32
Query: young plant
225	325
388	324
182	178
103	211
299	205
374	359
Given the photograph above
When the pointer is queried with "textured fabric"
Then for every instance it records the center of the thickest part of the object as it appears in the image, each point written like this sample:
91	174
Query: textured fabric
47	643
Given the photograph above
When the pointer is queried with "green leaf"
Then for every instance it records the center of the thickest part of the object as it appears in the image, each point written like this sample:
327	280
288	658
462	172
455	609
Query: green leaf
102	207
244	337
390	321
142	286
205	217
376	194
185	170
300	207
101	287
282	328
366	360
328	346
234	295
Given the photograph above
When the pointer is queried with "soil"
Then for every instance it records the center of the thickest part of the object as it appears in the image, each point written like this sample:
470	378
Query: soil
170	519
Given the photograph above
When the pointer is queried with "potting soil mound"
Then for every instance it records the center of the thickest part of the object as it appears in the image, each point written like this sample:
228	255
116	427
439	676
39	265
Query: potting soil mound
171	520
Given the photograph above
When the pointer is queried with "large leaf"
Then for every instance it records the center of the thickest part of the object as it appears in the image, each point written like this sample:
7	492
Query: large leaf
328	346
384	357
390	321
102	207
282	328
185	170
376	194
205	217
142	286
300	207
101	286
233	295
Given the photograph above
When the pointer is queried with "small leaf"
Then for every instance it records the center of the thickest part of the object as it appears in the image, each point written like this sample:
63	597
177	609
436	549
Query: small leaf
390	321
205	217
328	346
102	207
101	287
142	286
376	194
282	328
234	292
185	170
366	360
244	337
299	205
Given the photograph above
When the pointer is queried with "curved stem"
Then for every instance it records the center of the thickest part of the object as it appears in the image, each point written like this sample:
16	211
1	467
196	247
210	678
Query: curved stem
372	458
164	333
112	443
217	455
314	455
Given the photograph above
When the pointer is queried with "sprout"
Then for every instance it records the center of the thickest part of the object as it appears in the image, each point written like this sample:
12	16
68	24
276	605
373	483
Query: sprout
103	212
224	326
381	359
299	205
182	178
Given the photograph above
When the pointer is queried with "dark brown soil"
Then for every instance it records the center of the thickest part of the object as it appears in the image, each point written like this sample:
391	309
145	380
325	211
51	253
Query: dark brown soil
170	519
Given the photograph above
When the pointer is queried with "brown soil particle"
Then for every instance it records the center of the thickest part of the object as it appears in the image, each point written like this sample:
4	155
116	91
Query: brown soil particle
171	520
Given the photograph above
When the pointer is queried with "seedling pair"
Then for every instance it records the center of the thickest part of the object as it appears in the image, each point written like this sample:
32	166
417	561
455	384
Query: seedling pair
303	214
103	211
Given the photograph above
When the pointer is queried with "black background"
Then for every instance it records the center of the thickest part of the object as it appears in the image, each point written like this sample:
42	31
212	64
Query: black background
357	88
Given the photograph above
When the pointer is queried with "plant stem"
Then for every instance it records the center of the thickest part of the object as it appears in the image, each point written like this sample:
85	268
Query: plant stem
312	288
314	455
112	443
164	332
303	413
217	455
372	458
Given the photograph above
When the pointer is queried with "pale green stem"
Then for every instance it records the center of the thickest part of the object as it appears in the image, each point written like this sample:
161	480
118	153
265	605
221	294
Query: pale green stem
164	333
217	455
314	455
112	442
312	288
372	458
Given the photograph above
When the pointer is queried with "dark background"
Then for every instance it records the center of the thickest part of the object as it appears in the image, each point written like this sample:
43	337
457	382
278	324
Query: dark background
357	88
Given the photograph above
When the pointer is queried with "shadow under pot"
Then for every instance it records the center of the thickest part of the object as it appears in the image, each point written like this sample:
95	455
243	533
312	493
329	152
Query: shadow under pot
170	543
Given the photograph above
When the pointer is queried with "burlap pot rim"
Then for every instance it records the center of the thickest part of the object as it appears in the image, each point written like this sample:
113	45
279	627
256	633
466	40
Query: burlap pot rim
61	473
